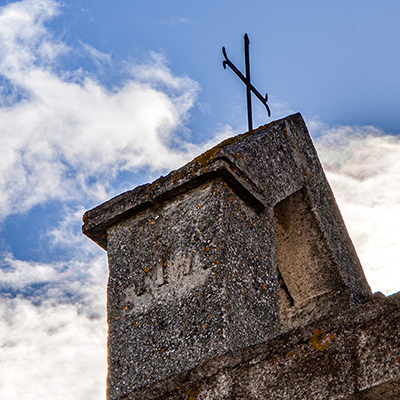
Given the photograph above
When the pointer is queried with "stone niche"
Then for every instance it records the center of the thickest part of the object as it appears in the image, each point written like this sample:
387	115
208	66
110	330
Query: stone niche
309	282
238	246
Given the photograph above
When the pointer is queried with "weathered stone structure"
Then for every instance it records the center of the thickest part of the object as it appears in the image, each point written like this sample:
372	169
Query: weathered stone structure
234	277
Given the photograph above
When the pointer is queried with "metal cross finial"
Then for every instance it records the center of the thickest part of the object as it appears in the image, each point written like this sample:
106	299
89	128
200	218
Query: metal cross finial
246	80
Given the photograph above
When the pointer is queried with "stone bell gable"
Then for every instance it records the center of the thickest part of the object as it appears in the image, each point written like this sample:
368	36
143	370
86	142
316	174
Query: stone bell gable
232	250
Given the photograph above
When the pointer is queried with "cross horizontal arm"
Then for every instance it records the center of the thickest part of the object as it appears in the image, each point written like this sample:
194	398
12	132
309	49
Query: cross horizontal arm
229	63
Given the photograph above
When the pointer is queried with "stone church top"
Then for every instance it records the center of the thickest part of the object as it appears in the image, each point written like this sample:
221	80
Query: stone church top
243	243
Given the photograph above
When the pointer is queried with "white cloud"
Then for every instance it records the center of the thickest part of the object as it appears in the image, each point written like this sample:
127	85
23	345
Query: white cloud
98	57
175	20
67	234
73	281
51	352
362	165
53	328
67	135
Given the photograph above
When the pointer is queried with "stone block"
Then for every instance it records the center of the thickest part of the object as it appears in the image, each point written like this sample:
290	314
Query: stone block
238	246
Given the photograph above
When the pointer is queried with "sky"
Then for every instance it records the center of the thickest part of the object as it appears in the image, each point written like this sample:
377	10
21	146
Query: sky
99	97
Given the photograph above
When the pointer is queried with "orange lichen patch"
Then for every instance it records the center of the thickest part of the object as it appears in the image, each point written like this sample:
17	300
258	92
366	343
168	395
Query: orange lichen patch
217	262
175	178
200	206
126	308
207	248
263	286
191	394
305	174
285	132
317	338
164	263
293	354
398	360
135	324
242	291
320	341
209	155
146	270
230	199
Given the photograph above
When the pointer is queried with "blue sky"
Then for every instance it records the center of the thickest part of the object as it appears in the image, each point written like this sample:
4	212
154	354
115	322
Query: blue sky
99	97
336	60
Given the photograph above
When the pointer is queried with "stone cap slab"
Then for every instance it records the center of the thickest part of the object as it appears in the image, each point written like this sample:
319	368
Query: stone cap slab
288	146
209	165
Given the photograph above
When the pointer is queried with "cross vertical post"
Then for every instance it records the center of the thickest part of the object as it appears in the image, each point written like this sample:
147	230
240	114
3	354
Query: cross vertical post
246	80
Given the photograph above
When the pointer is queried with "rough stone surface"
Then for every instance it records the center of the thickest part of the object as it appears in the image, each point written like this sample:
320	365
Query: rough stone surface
180	293
352	356
238	246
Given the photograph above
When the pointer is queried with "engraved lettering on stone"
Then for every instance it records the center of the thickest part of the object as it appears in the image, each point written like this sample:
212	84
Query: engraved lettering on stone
160	278
175	276
139	284
187	265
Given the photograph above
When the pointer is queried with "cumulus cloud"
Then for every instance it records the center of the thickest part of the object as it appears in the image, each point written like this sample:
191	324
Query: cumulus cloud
51	352
362	164
65	134
53	328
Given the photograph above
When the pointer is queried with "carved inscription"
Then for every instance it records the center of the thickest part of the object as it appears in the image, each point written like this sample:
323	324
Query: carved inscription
160	271
164	260
172	276
167	271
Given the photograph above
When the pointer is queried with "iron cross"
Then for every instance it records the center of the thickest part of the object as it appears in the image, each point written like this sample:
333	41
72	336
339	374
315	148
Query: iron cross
246	80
